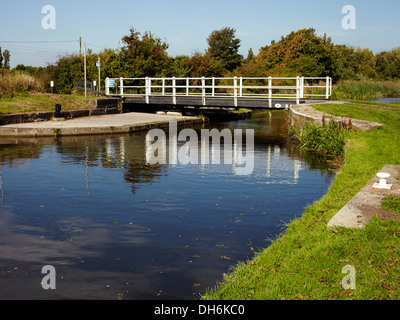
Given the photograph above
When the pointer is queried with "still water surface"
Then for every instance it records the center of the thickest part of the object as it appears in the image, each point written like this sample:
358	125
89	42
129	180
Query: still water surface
115	227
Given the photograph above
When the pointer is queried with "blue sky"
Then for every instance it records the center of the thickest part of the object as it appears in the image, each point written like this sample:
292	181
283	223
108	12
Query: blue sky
185	25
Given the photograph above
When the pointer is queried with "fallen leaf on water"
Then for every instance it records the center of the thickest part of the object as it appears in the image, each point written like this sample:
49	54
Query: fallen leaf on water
196	285
225	257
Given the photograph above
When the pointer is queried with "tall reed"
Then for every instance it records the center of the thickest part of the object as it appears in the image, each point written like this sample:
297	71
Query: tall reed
365	89
329	138
13	83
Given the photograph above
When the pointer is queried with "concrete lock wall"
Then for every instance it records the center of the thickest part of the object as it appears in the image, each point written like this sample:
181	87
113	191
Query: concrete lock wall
99	107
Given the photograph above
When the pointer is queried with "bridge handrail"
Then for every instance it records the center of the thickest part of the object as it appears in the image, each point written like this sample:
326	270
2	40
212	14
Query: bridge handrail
171	86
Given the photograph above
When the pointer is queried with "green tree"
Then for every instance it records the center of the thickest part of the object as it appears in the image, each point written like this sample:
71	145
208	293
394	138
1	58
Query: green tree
250	56
388	64
299	53
144	57
202	65
223	46
7	57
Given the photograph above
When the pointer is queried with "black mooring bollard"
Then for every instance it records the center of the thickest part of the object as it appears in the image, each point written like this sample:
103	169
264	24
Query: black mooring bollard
57	114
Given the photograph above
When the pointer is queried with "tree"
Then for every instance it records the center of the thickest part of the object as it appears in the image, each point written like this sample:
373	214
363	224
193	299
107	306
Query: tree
1	59
144	57
200	65
299	53
223	47
388	64
7	56
250	56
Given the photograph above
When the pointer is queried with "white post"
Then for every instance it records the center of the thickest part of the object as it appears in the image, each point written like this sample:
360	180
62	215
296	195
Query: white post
203	90
270	91
297	90
241	87
121	86
174	90
213	86
327	87
107	90
147	90
187	86
235	91
302	88
163	86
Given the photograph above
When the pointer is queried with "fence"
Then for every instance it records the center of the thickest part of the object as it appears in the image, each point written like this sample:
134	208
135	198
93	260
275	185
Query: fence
237	87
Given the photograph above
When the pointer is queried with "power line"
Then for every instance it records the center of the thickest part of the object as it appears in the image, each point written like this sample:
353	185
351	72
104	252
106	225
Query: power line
26	42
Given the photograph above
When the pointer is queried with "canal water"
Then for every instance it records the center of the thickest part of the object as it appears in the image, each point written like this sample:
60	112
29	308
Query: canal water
114	226
386	100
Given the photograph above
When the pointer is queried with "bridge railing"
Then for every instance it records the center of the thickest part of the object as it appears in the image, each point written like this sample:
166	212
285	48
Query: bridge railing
236	87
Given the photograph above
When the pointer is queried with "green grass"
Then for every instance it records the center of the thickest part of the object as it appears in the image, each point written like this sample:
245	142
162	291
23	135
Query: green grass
306	261
391	203
41	102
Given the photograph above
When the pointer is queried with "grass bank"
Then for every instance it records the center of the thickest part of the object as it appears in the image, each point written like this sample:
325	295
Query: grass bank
41	102
306	262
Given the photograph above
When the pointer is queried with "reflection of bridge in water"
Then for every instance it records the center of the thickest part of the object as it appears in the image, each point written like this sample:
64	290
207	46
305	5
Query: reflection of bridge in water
236	92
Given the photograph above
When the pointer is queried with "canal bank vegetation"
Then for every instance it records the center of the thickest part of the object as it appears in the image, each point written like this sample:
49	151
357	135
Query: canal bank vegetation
329	138
307	260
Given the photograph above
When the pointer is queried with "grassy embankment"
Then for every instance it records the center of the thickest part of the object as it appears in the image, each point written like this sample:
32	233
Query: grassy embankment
20	93
306	261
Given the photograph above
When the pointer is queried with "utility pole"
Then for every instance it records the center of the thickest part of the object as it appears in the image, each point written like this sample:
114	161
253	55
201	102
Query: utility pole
98	64
85	72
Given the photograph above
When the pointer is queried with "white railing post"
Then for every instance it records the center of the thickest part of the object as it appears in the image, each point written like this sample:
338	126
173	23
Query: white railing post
147	90
241	87
213	87
121	86
174	90
187	86
270	91
107	86
163	86
302	88
298	90
235	86
203	90
327	87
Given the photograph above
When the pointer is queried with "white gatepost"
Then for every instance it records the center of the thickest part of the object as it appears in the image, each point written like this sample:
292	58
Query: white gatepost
121	86
107	86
